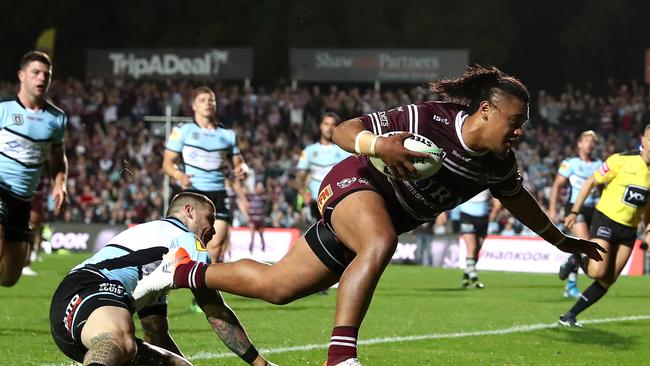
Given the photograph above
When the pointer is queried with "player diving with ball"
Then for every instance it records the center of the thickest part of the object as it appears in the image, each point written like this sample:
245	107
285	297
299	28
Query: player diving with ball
481	116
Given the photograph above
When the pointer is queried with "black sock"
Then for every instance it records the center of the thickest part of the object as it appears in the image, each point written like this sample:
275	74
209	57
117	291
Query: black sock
592	294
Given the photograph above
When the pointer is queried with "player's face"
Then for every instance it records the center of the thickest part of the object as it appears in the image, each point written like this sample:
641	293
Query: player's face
35	78
327	126
204	224
205	105
506	119
587	144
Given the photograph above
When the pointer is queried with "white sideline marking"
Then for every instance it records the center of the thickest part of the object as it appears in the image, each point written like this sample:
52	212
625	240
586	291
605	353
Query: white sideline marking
515	329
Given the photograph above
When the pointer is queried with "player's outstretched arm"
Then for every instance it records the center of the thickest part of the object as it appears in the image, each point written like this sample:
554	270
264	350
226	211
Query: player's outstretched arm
225	323
524	207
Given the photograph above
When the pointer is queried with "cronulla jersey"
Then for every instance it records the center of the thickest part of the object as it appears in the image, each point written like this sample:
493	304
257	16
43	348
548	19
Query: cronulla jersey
137	251
318	160
207	154
464	172
26	139
478	205
577	171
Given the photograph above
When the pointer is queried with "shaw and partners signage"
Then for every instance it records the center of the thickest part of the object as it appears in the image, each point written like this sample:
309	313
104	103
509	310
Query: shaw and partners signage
393	65
221	63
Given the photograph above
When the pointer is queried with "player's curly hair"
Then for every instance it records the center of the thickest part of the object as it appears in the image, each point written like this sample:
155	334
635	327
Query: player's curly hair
477	84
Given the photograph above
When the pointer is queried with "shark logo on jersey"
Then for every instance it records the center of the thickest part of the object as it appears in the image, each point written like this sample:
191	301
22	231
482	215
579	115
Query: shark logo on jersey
18	119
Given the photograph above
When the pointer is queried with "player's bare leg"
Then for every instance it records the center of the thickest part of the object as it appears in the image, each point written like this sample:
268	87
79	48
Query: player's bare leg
604	273
374	247
580	230
218	245
12	258
297	274
109	335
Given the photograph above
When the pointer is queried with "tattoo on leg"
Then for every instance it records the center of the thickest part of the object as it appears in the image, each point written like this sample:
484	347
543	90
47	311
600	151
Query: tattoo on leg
104	350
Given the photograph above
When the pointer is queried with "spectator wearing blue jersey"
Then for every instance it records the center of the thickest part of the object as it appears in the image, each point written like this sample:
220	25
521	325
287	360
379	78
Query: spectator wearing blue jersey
575	171
318	159
32	130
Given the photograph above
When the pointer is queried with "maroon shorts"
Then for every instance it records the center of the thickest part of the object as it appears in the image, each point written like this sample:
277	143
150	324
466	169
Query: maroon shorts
354	174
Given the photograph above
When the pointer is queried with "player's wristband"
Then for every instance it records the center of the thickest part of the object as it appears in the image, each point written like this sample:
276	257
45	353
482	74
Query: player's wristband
575	213
365	142
250	355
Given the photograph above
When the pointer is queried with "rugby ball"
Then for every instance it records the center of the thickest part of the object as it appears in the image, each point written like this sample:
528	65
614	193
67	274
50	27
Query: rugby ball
425	167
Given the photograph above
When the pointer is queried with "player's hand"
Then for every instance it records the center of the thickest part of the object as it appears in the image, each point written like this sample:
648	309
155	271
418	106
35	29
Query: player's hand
577	246
241	171
570	220
60	195
185	180
391	150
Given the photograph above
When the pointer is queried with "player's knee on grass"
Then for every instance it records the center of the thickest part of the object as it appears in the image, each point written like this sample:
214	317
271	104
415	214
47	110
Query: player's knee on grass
114	346
12	260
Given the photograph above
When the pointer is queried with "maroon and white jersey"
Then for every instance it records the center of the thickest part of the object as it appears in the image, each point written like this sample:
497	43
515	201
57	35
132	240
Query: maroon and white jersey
464	173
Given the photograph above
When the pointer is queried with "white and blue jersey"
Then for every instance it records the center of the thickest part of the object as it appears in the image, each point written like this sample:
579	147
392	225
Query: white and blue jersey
26	140
478	206
206	154
318	160
577	171
137	251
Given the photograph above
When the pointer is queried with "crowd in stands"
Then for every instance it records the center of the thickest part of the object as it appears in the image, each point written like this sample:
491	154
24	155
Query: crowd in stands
115	156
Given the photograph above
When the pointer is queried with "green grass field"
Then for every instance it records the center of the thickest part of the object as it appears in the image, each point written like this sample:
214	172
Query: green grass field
510	322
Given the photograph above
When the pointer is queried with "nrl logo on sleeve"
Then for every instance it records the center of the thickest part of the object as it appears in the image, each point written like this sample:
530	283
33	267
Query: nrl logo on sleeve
324	195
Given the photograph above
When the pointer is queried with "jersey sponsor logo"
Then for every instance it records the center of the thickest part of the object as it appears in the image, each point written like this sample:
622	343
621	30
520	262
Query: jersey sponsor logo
635	196
199	246
604	232
195	135
437	118
346	182
604	169
364	181
383	119
18	119
461	157
70	310
324	195
112	288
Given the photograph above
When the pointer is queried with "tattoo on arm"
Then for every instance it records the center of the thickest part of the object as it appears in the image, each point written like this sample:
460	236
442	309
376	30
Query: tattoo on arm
225	323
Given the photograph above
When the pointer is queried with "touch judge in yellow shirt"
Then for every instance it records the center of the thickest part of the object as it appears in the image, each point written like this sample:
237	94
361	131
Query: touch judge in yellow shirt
624	202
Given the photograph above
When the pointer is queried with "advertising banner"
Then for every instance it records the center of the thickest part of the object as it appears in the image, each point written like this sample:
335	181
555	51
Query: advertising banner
369	65
79	237
532	254
214	63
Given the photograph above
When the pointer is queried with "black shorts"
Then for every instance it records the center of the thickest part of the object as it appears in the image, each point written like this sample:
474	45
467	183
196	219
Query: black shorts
586	213
477	225
602	227
14	217
80	293
313	207
328	248
222	208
